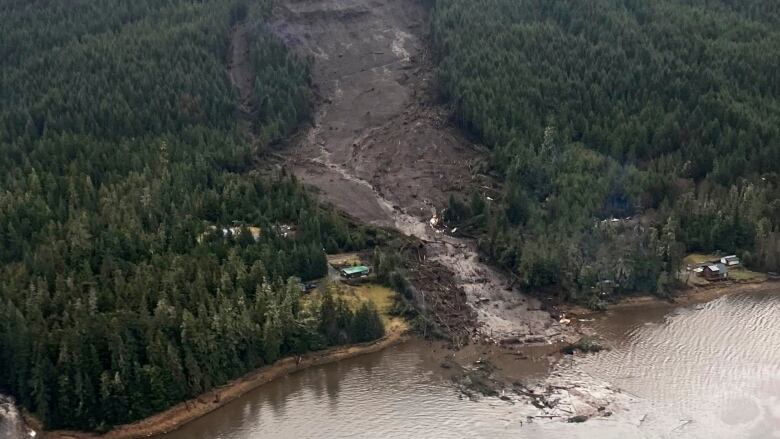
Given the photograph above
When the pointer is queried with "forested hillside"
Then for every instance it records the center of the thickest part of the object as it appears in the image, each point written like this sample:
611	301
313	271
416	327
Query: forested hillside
665	111
121	161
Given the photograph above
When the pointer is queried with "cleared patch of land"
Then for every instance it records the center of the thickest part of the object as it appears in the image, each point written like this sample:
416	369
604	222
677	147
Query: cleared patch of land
378	141
383	298
343	259
735	273
699	258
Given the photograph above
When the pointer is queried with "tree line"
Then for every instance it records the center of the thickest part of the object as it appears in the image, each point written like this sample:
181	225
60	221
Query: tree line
121	159
664	111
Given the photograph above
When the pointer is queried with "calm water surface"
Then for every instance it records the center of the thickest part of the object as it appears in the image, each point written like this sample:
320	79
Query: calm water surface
702	371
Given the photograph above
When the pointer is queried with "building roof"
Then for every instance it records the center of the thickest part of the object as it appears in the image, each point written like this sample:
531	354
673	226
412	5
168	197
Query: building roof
731	258
718	268
355	270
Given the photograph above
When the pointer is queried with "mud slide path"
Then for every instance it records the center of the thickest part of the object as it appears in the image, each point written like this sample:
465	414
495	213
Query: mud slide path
238	69
382	151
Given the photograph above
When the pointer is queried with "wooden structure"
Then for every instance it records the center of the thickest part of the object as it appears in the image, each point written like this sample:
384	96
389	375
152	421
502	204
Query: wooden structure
715	272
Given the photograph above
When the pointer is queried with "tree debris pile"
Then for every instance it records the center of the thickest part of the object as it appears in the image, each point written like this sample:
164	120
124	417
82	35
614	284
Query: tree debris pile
477	381
562	396
585	345
442	301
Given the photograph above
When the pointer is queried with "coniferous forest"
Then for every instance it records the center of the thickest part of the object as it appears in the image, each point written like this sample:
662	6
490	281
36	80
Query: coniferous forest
141	255
626	134
121	162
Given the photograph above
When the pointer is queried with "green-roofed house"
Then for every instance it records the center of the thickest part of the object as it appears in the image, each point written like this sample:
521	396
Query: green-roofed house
356	271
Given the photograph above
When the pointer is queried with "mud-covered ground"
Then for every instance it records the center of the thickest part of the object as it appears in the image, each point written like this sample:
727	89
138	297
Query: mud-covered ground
382	150
377	142
11	423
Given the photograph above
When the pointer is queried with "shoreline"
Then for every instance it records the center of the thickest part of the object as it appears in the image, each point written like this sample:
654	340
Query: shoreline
683	297
185	412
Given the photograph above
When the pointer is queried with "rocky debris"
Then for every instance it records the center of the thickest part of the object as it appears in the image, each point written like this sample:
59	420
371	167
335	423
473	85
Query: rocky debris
389	157
572	396
442	300
564	395
585	345
12	424
478	381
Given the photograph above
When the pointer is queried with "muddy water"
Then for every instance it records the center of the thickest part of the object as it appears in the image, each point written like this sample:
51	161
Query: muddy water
401	392
702	371
707	370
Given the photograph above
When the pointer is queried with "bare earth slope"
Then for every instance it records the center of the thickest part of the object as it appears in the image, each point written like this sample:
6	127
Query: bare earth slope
382	151
238	69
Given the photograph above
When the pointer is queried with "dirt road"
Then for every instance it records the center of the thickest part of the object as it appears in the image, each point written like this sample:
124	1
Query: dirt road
382	150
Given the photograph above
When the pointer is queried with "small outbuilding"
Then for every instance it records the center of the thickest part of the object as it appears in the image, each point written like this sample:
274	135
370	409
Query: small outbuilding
355	272
715	272
730	261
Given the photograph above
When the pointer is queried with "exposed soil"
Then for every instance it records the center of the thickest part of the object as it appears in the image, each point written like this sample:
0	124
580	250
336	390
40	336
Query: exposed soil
381	150
377	142
187	411
12	422
239	71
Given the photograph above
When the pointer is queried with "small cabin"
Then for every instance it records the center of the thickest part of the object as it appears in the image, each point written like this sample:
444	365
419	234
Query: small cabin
730	261
285	230
355	272
236	231
715	272
230	232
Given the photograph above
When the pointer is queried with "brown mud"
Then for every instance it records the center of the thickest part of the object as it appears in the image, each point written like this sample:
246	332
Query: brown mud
185	412
12	420
382	150
240	72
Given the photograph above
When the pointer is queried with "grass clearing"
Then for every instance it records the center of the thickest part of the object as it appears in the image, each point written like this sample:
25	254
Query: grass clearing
740	273
382	297
699	258
345	259
737	273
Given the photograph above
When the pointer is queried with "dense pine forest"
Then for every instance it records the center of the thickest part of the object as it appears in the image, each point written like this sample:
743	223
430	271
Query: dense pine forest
626	134
121	162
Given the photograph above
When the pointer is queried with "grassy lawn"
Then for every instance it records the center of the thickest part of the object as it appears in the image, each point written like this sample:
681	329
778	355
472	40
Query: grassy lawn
382	297
699	258
344	259
745	274
735	273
